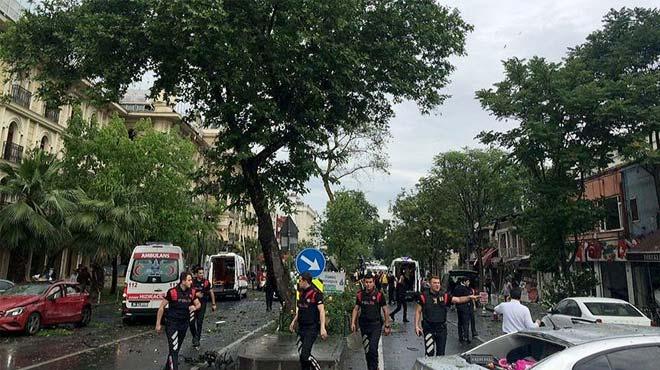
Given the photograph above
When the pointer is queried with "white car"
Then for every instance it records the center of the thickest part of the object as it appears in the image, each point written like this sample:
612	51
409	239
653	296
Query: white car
591	310
584	347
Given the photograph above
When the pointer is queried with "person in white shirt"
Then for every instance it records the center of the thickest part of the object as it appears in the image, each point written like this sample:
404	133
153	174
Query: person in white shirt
515	316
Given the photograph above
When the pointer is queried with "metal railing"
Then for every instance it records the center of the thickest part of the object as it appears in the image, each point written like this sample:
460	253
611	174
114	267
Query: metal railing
21	96
53	114
11	8
12	152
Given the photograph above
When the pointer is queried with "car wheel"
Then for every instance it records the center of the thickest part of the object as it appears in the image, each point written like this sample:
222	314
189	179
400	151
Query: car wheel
33	324
86	317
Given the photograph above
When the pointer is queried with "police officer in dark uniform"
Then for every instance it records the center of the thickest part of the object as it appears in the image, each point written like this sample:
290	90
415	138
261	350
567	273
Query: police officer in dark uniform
203	293
401	285
463	310
369	304
310	317
181	303
431	316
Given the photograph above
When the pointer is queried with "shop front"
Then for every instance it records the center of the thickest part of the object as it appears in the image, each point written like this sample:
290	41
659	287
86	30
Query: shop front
645	268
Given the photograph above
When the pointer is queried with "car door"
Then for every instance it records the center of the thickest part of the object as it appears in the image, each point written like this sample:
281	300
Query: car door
574	313
559	315
638	357
52	312
72	303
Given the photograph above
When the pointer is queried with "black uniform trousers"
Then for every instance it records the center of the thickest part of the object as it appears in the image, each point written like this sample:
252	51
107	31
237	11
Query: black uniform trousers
370	338
176	333
306	337
196	324
472	325
390	293
269	298
463	313
401	303
435	338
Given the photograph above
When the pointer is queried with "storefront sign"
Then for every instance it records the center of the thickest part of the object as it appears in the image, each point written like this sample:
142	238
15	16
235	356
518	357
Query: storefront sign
333	282
644	257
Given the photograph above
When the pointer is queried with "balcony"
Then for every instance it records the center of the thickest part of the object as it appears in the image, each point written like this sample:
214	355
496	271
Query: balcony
53	114
21	96
12	152
11	9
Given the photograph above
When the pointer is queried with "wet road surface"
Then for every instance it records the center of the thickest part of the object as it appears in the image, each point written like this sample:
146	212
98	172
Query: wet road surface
108	344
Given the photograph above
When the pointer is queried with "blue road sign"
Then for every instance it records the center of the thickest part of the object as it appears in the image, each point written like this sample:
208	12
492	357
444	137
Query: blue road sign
310	260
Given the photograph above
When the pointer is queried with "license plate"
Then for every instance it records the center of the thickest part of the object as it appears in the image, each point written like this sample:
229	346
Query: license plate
140	304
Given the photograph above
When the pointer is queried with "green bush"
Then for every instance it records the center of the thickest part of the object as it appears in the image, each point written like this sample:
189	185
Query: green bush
577	283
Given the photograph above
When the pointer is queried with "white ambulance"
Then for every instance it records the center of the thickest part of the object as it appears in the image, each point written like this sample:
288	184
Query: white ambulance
227	274
152	270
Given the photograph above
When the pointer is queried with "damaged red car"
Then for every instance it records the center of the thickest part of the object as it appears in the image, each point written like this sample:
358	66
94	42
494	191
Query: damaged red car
31	306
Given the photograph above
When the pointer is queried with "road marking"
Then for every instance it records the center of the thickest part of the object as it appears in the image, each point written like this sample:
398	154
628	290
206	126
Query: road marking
381	361
239	340
86	351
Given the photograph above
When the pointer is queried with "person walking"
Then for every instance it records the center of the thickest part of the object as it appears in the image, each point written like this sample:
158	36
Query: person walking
203	293
181	302
384	282
463	309
473	308
401	298
84	278
431	316
310	318
270	291
390	288
515	316
369	304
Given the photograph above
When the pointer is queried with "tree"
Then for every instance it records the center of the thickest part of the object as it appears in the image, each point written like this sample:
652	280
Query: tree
348	227
277	77
37	217
350	153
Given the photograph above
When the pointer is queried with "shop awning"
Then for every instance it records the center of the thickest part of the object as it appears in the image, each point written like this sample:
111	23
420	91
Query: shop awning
647	250
487	256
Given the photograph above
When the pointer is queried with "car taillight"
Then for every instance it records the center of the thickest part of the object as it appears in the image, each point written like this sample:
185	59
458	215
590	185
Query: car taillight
599	321
125	291
654	323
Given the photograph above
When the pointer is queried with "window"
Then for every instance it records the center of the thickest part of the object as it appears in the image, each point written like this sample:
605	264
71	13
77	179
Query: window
155	270
4	285
635	358
43	145
612	309
634	214
72	290
55	293
598	363
572	309
612	219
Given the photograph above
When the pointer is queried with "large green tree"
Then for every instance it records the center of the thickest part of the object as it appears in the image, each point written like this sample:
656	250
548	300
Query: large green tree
36	218
574	117
348	227
278	77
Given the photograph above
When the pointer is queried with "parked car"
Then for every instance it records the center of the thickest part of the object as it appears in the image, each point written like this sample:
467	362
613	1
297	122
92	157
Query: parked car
5	284
591	310
28	307
585	347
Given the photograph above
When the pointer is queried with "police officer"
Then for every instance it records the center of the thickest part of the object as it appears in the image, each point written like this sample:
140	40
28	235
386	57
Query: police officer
369	304
431	317
310	317
181	302
401	302
463	309
203	293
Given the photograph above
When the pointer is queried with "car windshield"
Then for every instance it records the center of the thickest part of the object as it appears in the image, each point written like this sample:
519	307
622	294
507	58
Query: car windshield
26	289
612	309
513	347
155	270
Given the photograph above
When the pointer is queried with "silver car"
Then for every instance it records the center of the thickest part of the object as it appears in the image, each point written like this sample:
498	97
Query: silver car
586	347
5	284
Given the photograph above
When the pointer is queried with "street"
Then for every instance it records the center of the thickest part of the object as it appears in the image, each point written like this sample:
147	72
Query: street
399	350
108	344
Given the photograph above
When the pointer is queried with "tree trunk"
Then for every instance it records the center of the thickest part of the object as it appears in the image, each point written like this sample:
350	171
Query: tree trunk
276	270
328	189
113	284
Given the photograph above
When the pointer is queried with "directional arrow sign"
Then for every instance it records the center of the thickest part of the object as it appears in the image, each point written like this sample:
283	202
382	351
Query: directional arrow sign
310	260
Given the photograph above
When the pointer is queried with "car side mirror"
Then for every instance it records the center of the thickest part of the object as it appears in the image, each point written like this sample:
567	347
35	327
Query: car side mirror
552	311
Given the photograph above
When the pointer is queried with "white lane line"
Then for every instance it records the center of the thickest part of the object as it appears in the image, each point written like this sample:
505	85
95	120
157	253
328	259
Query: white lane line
85	351
381	362
239	340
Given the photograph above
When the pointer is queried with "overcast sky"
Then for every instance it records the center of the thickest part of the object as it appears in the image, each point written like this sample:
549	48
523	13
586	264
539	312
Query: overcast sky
502	29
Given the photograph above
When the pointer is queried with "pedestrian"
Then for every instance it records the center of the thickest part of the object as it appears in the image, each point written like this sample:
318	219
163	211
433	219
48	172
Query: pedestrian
369	304
204	293
84	278
390	288
181	302
463	309
269	291
515	316
377	278
310	318
431	316
506	290
384	282
401	298
473	308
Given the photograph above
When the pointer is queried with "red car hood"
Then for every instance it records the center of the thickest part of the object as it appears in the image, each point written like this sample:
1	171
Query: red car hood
12	301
